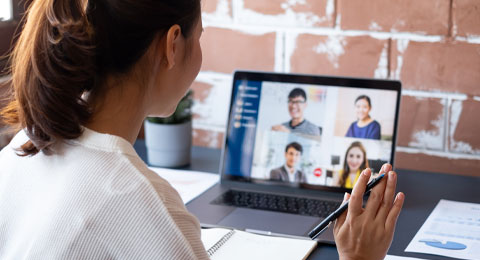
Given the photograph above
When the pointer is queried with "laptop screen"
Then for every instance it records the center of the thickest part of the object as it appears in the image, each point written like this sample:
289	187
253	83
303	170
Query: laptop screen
309	131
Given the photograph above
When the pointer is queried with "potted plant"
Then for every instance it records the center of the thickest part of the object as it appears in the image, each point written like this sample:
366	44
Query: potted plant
169	140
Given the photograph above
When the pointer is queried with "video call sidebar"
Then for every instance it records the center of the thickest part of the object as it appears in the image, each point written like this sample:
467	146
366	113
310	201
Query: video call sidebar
243	125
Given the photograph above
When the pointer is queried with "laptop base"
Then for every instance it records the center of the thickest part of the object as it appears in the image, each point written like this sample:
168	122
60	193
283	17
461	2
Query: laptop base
262	221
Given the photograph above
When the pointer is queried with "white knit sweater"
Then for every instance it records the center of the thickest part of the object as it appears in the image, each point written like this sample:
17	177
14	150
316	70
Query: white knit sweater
93	199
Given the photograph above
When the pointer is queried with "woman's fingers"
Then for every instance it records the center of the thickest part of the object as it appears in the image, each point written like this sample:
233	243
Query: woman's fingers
388	197
376	198
394	212
340	220
386	168
356	199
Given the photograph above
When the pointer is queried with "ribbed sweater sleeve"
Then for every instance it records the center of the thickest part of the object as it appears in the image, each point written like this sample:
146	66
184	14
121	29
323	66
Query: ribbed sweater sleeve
93	199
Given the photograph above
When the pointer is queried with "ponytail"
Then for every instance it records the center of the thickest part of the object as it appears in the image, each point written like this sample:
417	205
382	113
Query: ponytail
52	65
68	48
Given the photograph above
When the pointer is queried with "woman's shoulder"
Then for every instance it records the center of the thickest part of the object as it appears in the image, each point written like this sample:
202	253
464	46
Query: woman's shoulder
375	123
143	180
9	153
123	180
372	124
353	125
112	163
161	187
18	139
147	206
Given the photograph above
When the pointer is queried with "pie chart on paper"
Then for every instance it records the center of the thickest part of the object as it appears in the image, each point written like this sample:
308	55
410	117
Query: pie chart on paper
444	245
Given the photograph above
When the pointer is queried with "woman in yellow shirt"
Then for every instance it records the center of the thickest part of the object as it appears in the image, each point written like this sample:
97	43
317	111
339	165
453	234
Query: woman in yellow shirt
354	163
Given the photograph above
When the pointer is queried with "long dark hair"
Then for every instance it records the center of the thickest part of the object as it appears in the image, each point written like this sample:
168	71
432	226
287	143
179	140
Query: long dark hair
68	47
367	98
346	169
364	97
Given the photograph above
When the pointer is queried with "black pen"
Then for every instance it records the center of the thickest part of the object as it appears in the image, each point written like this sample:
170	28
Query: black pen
326	222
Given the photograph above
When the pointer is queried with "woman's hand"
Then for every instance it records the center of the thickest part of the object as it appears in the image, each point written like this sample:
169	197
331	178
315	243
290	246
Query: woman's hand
366	233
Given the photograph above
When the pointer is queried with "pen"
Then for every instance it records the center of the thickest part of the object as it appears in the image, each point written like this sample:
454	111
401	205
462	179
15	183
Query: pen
327	221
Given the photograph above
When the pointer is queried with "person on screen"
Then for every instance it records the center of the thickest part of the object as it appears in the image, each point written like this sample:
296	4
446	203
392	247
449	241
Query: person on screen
297	102
365	126
288	171
354	163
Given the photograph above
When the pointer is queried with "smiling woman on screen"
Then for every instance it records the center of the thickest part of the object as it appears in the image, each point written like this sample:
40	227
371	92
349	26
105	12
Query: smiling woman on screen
85	74
365	126
354	163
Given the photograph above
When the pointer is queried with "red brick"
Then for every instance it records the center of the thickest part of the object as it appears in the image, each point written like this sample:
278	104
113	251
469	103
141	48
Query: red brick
308	12
201	91
225	50
422	123
466	17
339	55
210	109
465	126
207	138
212	6
425	16
271	7
442	66
429	163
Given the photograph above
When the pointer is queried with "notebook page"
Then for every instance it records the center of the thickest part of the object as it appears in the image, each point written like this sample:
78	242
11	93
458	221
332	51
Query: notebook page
243	245
210	236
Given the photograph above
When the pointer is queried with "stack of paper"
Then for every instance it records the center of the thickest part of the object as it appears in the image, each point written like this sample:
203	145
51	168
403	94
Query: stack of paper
452	229
189	184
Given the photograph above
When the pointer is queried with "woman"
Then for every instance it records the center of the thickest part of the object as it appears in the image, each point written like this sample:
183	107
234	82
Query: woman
365	126
84	77
354	163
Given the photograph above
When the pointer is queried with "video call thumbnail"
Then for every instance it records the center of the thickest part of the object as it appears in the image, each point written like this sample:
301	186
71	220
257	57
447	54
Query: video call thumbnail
318	135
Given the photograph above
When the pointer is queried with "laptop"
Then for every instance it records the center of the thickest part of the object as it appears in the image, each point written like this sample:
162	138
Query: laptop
294	144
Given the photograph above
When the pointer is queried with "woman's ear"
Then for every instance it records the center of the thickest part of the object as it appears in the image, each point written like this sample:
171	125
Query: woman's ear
173	41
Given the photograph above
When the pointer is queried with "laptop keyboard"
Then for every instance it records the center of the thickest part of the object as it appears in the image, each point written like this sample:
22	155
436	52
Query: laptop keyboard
279	203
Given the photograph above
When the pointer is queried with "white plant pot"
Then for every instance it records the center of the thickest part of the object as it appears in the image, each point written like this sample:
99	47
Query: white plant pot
168	145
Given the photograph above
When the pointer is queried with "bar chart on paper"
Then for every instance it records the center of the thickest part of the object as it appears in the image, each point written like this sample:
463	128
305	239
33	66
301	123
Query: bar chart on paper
452	229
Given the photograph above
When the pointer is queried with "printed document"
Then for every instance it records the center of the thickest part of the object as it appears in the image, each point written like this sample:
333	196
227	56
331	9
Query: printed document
189	184
452	229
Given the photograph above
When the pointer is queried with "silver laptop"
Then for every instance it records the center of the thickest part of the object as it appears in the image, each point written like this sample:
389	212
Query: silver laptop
293	145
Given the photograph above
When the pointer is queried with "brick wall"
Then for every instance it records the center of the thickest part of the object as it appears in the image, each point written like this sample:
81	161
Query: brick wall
432	46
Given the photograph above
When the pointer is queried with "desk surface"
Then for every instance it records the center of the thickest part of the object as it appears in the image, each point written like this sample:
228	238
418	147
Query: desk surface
422	191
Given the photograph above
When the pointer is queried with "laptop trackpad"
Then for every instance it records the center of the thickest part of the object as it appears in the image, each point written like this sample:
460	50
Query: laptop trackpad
277	222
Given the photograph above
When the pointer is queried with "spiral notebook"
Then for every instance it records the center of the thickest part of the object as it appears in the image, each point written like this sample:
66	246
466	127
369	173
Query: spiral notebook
222	243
